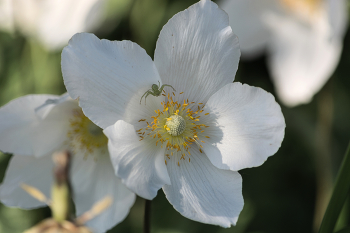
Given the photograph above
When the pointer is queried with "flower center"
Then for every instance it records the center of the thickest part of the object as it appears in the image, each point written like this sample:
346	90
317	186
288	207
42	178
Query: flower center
84	136
310	5
176	126
307	9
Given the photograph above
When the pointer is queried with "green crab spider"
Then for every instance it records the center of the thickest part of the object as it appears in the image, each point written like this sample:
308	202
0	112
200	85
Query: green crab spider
155	91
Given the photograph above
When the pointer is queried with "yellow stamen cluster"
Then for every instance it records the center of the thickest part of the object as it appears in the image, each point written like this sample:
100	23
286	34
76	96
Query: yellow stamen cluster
176	127
84	135
303	6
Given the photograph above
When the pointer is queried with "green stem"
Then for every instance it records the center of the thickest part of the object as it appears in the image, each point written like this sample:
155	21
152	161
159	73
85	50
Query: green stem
61	192
340	193
60	202
147	217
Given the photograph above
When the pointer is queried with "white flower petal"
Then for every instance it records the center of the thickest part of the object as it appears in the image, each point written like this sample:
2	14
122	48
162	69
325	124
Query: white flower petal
6	16
60	20
36	172
197	52
245	20
301	58
52	22
204	193
249	127
26	16
108	77
92	180
141	166
26	133
43	110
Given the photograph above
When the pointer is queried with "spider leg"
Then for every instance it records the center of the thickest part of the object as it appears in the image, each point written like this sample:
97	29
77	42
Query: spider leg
166	85
144	95
148	93
161	89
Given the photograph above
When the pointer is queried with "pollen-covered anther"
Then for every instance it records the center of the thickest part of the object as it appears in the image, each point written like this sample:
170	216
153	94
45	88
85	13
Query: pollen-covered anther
83	135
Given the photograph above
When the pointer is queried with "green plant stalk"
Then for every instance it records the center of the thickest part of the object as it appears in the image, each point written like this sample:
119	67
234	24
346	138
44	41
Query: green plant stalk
60	192
60	202
147	217
340	193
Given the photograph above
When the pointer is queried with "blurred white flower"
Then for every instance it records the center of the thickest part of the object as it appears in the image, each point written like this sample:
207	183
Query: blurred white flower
6	18
191	143
303	39
52	22
32	128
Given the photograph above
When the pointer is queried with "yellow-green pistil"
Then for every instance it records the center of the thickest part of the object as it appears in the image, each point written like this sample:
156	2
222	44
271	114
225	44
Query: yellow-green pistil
176	125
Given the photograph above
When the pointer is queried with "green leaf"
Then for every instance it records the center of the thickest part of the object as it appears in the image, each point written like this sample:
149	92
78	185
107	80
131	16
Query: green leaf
340	193
345	230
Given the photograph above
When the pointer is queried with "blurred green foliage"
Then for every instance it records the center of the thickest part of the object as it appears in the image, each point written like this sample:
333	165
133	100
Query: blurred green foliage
280	196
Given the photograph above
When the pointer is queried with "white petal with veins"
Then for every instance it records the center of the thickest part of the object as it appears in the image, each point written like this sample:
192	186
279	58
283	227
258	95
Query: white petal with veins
36	172
140	165
194	45
23	132
248	126
204	193
107	77
94	179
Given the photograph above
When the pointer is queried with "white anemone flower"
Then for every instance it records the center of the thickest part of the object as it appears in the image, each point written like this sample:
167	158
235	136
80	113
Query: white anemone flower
32	128
191	142
52	22
303	39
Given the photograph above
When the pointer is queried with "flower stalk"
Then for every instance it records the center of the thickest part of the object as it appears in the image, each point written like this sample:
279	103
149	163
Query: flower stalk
340	193
147	217
61	188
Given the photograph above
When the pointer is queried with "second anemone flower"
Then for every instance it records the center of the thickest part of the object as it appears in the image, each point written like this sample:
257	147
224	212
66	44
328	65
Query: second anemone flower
32	127
191	142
